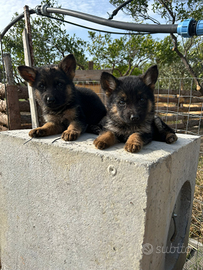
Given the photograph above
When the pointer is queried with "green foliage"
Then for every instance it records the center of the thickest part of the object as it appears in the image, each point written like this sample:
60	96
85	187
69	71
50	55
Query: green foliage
122	55
126	55
139	9
50	41
172	55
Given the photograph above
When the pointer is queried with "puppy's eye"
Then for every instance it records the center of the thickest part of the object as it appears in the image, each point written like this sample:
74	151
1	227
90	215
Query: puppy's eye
142	100
42	86
59	84
122	102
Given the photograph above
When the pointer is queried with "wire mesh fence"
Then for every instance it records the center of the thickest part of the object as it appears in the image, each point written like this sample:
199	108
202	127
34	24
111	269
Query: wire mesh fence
180	105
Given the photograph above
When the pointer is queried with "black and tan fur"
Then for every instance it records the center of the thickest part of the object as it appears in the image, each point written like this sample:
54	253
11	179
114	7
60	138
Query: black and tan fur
66	109
131	112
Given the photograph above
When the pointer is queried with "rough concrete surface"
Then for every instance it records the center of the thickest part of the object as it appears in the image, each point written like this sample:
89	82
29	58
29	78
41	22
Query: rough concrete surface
67	205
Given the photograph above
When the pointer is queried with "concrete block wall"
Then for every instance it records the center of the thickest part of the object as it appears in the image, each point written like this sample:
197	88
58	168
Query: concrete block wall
67	205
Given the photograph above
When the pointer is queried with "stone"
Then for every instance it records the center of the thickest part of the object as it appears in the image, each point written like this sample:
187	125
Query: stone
67	205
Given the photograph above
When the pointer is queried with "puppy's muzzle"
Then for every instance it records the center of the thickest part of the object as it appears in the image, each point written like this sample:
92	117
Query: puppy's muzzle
134	118
50	100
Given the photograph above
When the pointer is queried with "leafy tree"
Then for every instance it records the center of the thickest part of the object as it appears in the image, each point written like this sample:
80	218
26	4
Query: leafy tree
50	41
124	55
172	11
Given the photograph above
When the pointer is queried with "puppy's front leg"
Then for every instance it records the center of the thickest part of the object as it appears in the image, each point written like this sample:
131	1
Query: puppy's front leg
134	143
47	129
105	140
73	131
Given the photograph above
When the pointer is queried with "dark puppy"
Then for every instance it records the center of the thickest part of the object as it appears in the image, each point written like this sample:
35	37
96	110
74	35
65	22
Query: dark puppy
65	108
130	112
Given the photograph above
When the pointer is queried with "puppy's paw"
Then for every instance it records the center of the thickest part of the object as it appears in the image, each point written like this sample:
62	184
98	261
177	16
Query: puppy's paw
134	143
70	135
171	138
133	147
105	140
100	144
38	132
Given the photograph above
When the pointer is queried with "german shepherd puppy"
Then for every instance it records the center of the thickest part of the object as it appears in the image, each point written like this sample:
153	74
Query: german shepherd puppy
131	112
65	108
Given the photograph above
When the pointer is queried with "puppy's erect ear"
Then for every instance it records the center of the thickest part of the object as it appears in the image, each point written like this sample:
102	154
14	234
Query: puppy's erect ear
150	76
68	65
27	73
108	83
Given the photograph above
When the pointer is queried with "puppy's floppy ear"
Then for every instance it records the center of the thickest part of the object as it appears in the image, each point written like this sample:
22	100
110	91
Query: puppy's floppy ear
68	65
27	73
108	83
150	76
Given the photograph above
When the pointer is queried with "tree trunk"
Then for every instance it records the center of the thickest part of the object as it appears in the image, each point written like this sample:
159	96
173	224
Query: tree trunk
186	64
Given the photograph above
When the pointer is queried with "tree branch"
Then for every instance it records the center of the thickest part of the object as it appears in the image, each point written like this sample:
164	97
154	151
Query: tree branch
186	63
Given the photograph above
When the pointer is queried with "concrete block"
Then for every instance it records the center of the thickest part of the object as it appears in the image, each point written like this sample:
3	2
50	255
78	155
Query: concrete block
66	205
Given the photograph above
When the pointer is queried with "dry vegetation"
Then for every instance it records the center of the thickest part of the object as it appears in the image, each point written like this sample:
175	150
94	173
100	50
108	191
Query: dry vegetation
196	229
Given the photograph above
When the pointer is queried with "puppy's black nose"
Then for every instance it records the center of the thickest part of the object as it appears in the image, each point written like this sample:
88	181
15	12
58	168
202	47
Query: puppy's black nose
134	117
50	100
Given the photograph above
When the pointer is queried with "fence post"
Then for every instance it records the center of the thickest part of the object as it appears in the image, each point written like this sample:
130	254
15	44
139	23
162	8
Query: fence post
91	63
13	109
8	68
28	52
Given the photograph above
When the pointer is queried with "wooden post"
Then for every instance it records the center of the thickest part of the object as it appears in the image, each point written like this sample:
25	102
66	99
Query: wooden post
13	109
91	63
12	101
8	68
28	28
29	60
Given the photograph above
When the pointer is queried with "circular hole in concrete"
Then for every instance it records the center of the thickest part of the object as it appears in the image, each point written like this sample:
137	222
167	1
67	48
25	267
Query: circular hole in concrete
176	246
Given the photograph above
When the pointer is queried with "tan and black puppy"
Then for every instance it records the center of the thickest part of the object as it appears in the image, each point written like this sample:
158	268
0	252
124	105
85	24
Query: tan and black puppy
131	112
66	108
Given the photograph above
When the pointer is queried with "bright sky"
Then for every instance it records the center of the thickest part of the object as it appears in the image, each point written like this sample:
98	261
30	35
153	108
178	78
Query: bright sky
93	7
99	8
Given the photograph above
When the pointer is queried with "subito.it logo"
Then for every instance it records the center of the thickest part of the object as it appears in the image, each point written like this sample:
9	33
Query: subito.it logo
147	249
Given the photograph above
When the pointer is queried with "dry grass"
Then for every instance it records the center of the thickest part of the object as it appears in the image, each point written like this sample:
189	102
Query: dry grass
196	229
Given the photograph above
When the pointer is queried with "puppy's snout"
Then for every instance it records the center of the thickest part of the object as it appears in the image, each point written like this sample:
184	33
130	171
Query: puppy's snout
134	117
50	100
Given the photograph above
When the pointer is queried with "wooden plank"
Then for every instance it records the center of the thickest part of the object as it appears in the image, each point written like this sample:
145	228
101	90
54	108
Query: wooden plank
22	92
13	108
88	75
33	106
177	92
24	106
165	99
177	109
171	118
178	100
96	88
25	118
